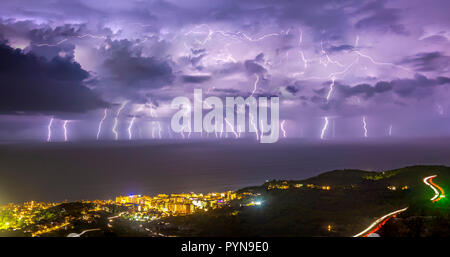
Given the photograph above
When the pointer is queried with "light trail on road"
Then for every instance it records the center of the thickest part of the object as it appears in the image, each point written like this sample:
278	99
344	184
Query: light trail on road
85	231
375	226
438	191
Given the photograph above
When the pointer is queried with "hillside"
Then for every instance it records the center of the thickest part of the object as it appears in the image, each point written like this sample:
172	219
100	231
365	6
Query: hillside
335	203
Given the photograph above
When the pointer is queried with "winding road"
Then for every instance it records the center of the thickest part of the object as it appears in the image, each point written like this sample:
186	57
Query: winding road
375	226
79	235
438	191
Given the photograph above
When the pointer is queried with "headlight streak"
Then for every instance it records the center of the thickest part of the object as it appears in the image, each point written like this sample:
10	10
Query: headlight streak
375	226
438	191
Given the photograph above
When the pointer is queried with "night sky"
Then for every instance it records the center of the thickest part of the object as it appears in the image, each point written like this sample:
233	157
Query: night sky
362	84
75	63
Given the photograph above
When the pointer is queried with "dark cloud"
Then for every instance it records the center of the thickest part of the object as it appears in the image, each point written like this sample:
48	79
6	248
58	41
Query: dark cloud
52	42
53	35
198	51
195	79
432	61
339	48
418	87
254	66
364	89
65	50
292	89
128	66
135	49
380	18
227	92
32	84
194	59
3	40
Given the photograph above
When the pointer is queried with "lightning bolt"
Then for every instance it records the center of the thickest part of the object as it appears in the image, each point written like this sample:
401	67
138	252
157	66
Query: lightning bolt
382	63
101	123
130	127
252	119
159	130
170	131
302	54
305	61
182	133
328	59
331	88
116	120
262	127
364	126
232	127
65	39
243	35
283	129
324	128
49	129
234	35
255	85
56	44
210	33
390	130
158	126
92	36
154	114
65	130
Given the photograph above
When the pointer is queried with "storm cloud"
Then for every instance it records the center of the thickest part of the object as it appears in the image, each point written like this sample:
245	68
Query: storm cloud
32	84
341	59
